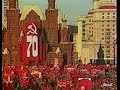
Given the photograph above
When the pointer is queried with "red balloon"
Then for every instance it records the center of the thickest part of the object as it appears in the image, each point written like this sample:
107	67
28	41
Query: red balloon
85	83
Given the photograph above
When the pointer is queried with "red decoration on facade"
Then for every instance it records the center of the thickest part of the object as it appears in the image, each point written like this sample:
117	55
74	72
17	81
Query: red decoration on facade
32	49
107	7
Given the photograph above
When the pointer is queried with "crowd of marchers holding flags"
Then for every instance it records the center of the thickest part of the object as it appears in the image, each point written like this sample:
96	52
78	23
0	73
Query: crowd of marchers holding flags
68	77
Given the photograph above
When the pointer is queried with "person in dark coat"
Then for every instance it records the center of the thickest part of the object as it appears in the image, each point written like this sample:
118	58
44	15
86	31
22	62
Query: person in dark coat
35	86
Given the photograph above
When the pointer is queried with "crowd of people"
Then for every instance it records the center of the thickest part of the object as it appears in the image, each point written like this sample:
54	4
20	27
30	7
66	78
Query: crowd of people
68	77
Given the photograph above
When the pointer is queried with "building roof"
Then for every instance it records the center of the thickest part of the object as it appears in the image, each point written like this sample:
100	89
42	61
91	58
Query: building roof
107	7
58	50
6	51
28	8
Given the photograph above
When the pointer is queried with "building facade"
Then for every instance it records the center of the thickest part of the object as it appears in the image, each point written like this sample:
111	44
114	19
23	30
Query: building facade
34	38
98	26
6	6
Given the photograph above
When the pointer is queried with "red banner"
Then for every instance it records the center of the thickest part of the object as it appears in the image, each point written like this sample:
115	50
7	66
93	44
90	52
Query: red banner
32	49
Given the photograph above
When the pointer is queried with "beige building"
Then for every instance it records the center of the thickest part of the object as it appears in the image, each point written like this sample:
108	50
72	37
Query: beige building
98	26
6	6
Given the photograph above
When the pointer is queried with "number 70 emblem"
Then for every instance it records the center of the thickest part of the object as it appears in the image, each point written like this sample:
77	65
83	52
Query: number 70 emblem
33	42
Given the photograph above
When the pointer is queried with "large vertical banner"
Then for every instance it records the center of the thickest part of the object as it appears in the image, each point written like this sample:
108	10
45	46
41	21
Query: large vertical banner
29	50
32	41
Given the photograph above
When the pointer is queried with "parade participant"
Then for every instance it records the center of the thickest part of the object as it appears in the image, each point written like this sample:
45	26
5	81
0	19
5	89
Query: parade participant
16	80
49	77
35	86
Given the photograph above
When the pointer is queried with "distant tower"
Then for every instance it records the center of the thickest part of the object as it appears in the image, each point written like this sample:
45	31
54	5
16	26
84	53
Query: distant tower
13	4
52	23
12	34
51	4
65	34
100	60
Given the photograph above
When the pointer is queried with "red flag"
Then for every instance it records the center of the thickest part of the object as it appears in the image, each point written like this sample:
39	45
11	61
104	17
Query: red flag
29	43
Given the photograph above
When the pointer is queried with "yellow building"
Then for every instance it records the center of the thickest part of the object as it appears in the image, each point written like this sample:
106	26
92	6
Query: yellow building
98	26
6	6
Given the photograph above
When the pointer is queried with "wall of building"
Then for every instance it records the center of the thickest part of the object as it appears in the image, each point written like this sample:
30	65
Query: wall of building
99	27
17	23
106	22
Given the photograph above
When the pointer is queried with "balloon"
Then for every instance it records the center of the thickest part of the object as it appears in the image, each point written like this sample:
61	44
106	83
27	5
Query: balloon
87	84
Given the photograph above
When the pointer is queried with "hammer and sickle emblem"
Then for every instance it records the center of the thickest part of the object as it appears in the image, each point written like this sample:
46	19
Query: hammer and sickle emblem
31	29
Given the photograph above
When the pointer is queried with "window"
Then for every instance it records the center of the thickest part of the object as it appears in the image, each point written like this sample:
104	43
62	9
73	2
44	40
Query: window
83	21
102	17
102	13
102	21
102	38
113	16
113	29
102	29
102	25
102	33
89	27
108	21
107	46
108	42
108	51
108	25
83	25
108	13
107	29
107	17
107	56
113	13
108	38
83	33
113	25
89	20
83	29
108	33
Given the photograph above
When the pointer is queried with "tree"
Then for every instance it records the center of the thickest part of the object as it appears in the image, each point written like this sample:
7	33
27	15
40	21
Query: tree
100	54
